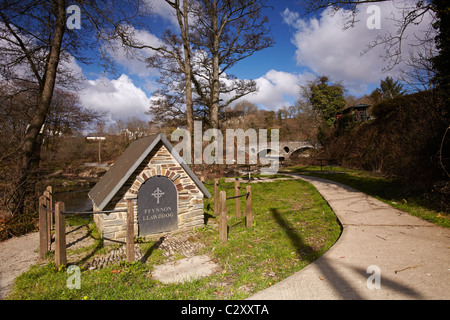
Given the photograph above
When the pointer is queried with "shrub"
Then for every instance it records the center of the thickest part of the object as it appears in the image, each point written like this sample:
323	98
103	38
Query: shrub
18	225
403	141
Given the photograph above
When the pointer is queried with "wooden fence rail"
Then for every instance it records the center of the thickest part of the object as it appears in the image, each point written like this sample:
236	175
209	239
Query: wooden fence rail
45	226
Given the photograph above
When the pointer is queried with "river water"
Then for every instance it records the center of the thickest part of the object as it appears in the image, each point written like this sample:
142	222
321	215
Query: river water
74	200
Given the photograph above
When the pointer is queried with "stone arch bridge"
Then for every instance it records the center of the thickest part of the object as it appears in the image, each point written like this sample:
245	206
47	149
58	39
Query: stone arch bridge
285	148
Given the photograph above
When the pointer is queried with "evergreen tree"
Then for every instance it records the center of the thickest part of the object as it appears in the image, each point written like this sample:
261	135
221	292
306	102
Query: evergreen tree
326	99
391	89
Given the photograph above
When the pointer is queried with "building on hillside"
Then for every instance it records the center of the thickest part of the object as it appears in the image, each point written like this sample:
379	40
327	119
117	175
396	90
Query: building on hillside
359	112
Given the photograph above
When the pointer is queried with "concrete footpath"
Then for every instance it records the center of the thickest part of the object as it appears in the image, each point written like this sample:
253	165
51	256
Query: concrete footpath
383	253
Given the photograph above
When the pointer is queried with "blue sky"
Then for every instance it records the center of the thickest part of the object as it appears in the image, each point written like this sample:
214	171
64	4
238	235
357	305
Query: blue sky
305	48
279	57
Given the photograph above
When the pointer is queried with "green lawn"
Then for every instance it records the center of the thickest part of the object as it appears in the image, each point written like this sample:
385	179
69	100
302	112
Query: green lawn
293	226
386	189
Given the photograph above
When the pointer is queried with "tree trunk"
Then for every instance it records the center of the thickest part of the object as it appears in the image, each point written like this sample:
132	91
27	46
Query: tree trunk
215	90
188	75
215	94
33	141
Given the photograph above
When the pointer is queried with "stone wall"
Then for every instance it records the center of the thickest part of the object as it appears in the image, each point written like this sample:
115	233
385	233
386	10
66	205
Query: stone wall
158	163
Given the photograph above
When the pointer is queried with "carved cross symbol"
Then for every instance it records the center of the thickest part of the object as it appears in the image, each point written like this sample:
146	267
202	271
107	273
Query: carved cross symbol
157	194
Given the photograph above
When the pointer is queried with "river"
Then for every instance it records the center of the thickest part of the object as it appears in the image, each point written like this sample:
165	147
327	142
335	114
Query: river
75	200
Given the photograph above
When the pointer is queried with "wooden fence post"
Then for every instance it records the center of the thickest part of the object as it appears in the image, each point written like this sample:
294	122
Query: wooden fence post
50	208
130	230
216	197
237	201
60	235
49	218
248	208
223	232
43	234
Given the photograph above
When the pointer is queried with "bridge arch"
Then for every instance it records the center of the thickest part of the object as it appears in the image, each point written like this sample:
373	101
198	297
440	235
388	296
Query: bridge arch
300	152
270	153
285	149
288	148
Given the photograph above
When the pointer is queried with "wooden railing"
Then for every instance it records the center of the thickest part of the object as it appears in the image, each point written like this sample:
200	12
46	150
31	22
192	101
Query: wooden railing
50	218
46	225
220	206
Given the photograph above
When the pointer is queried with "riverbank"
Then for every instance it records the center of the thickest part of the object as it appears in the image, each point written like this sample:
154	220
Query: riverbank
70	187
83	177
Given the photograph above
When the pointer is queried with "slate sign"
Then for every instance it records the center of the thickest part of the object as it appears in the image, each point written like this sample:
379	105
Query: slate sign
157	206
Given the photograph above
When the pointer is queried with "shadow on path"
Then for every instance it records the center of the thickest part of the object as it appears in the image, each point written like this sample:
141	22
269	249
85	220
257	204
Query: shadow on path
306	252
347	280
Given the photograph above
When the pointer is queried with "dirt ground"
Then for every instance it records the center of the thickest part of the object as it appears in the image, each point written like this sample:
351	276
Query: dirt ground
16	256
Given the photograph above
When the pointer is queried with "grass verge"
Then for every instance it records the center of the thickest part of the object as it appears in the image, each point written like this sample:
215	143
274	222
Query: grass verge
293	226
386	189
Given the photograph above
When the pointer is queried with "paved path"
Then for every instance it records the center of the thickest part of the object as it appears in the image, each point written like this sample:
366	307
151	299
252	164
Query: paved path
412	255
16	256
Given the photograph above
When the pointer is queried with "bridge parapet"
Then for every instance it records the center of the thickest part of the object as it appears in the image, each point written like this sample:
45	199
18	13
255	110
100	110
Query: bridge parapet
285	148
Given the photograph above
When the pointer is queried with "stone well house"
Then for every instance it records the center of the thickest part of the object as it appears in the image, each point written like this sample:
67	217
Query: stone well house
167	196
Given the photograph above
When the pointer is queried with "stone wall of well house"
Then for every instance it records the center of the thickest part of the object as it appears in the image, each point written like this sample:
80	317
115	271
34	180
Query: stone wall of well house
158	163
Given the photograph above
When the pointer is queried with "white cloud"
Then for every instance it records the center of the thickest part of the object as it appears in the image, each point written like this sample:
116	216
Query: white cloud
163	9
290	18
72	64
120	97
133	60
327	49
278	89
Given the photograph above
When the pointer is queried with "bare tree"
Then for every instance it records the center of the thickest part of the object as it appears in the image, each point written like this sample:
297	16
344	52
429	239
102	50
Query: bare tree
173	102
412	13
172	57
183	22
67	116
33	42
226	32
21	45
419	71
214	36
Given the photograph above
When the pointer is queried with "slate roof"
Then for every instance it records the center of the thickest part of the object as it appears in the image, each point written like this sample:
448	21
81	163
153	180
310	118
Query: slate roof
357	106
126	164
